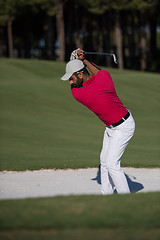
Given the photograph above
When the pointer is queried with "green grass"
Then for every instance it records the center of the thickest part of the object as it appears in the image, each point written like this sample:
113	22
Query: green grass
86	234
42	126
120	216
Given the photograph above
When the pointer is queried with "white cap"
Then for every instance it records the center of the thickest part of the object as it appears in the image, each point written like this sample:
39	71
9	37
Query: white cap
72	67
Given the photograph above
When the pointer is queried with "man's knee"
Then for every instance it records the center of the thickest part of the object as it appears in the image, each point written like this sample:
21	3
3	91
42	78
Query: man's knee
111	166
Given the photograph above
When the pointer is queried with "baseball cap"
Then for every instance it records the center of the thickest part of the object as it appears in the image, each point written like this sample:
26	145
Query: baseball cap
72	67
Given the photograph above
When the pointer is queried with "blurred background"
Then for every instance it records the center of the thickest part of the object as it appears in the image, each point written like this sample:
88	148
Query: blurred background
52	29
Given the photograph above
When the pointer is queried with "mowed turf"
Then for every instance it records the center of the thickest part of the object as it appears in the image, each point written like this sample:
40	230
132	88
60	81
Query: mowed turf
122	217
43	126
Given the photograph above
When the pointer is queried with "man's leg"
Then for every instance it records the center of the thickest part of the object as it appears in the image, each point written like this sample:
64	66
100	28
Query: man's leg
118	138
107	186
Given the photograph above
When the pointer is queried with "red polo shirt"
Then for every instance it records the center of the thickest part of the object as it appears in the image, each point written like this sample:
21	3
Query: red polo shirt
99	95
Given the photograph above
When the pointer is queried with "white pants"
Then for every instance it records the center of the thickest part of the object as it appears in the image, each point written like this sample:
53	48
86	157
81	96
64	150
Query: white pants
114	143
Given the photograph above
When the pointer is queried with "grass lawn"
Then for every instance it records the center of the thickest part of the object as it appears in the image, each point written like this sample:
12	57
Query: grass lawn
42	126
122	217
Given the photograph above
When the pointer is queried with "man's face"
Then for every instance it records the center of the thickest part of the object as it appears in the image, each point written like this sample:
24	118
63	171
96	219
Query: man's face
76	79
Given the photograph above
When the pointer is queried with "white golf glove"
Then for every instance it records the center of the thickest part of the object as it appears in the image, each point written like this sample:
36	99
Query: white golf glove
74	54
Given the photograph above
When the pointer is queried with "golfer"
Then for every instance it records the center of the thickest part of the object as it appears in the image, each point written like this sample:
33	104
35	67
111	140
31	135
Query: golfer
96	91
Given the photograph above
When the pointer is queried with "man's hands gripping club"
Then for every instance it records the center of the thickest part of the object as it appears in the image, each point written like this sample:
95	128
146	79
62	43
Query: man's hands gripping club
77	54
80	54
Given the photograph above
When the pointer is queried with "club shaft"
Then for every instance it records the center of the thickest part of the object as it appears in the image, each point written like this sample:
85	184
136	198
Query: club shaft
98	53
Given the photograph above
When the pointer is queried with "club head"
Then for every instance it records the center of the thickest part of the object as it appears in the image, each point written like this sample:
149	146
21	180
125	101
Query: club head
114	58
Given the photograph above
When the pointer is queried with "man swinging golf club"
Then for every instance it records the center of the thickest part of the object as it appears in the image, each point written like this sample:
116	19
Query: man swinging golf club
97	92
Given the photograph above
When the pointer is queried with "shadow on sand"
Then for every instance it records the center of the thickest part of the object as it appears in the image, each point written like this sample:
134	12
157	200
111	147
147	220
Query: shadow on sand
133	185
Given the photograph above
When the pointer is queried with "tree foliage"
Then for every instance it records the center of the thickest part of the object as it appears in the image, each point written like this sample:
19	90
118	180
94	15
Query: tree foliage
125	27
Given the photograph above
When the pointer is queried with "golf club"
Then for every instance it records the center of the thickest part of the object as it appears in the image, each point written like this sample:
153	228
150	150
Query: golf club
101	53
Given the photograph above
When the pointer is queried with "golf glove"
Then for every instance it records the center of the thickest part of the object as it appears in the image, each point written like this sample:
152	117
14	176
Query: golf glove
74	54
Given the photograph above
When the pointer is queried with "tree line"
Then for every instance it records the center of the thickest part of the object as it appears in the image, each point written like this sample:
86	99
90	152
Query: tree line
52	29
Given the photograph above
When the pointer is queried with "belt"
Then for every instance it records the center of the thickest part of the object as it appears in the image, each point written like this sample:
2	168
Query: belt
120	121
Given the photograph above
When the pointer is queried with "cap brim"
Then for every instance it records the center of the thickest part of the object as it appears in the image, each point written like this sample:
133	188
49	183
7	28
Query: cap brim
66	76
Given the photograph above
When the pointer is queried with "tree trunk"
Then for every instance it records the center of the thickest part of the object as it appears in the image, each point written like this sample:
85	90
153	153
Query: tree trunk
49	34
60	29
10	39
143	43
118	40
106	37
1	43
153	45
27	44
70	30
132	43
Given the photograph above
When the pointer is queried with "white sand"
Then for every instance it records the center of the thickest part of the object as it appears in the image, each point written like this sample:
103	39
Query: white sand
43	183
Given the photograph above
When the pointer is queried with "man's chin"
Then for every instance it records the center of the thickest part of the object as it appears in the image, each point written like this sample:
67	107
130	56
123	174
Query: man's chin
77	85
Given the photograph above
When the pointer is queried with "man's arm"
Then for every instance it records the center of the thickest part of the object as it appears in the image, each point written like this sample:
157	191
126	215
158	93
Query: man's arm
93	68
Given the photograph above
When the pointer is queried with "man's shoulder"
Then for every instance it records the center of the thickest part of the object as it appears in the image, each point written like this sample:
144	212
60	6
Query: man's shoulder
103	73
